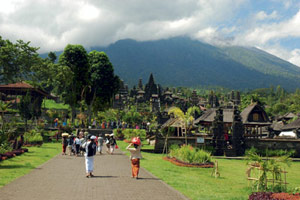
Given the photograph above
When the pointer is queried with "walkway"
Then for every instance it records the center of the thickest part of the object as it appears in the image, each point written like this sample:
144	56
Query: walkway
63	177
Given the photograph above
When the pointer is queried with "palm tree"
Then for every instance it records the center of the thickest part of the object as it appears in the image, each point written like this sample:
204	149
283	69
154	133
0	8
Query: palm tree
187	118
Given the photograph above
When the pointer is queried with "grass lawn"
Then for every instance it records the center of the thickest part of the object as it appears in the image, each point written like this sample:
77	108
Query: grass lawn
20	165
51	104
197	183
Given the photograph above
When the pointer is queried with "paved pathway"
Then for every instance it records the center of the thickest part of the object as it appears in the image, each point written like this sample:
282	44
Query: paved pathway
63	177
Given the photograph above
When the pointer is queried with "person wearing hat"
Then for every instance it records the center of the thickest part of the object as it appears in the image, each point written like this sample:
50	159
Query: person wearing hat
112	143
135	155
70	144
64	144
90	150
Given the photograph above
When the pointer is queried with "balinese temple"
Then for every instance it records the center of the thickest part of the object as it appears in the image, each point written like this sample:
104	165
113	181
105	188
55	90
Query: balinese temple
194	100
254	119
121	98
140	98
167	99
155	103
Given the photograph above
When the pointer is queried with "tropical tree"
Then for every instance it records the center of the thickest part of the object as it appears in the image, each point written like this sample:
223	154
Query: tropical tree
132	116
25	108
16	60
73	77
187	118
103	84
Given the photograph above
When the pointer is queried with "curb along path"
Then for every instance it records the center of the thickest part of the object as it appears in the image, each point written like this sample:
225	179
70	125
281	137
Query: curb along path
63	178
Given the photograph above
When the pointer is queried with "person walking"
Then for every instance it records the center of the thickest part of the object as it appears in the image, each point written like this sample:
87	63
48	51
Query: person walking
70	144
90	151
113	143
64	144
100	144
107	143
77	145
135	155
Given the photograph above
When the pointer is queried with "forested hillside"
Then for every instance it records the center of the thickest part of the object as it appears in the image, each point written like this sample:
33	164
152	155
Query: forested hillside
185	62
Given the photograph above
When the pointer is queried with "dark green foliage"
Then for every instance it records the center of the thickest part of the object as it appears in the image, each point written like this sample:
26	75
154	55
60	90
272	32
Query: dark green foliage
103	83
16	60
25	107
33	137
75	58
132	117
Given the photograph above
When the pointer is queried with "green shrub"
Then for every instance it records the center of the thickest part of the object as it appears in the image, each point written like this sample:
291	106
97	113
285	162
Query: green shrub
270	152
5	147
130	133
118	133
33	137
189	154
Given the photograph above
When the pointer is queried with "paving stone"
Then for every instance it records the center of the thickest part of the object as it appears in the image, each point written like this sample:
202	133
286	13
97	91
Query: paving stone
63	178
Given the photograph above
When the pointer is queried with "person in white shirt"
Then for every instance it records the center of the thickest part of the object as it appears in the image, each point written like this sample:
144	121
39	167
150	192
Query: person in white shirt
90	150
77	145
100	144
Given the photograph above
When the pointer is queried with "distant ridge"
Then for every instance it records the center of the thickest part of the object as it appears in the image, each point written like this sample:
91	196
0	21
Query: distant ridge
182	61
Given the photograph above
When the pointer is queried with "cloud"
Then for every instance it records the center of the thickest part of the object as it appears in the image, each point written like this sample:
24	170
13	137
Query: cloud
274	31
53	24
295	57
264	16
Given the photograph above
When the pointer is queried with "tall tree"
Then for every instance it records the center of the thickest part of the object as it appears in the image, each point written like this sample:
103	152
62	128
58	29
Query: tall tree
74	62
102	81
16	60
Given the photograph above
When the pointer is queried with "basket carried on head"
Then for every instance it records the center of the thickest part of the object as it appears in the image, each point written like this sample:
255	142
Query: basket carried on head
136	140
65	134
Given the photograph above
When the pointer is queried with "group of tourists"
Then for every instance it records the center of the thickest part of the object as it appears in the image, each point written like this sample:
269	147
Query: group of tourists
73	145
88	145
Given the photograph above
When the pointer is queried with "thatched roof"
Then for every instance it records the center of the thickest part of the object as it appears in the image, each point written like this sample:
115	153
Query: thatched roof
210	114
172	122
277	126
21	88
293	125
287	116
245	114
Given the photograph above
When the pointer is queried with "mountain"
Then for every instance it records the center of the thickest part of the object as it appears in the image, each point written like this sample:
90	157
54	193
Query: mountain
182	61
185	62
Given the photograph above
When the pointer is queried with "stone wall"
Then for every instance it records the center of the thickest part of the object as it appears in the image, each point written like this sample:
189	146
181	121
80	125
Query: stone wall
272	144
275	144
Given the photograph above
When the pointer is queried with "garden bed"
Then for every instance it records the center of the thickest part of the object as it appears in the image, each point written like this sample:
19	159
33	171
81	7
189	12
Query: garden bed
184	164
12	154
273	196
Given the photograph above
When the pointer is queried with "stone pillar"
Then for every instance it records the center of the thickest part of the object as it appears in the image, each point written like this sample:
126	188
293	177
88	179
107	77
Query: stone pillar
238	130
218	135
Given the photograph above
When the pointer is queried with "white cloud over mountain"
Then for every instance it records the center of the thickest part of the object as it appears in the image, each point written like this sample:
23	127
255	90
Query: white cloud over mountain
53	24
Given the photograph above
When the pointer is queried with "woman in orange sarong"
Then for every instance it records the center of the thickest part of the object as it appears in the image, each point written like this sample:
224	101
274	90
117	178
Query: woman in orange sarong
135	157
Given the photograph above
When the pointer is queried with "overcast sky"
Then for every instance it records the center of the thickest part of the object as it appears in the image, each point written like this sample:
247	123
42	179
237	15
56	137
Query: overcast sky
271	25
